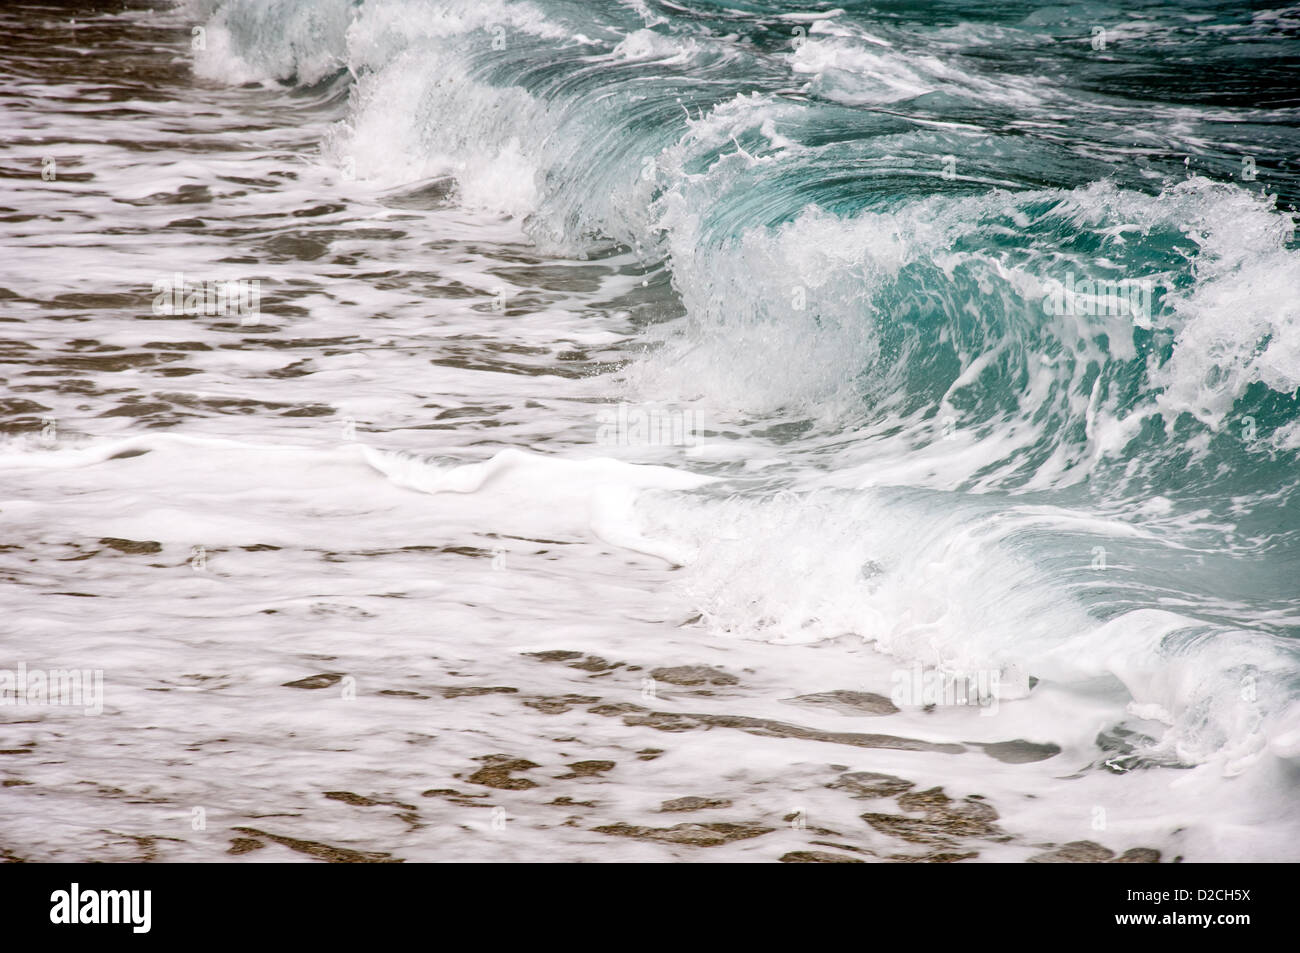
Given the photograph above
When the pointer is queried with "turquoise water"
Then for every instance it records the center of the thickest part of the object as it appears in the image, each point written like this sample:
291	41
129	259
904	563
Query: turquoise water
1017	284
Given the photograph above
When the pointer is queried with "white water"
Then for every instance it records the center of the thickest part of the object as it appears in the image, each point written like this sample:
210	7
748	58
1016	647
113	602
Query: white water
394	475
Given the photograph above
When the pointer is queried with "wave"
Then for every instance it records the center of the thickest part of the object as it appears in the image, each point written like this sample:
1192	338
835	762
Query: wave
966	260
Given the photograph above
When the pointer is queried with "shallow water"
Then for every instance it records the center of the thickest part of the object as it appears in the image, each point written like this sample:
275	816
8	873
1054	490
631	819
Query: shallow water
632	405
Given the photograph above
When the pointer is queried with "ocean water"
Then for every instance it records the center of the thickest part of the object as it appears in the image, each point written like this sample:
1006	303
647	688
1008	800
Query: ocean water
463	430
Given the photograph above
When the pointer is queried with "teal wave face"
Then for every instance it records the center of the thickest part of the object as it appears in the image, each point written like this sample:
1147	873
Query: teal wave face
1067	221
1063	221
1046	257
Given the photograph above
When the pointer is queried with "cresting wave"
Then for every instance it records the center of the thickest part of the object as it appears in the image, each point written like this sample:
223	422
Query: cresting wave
862	227
837	269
